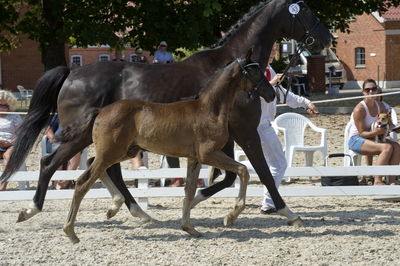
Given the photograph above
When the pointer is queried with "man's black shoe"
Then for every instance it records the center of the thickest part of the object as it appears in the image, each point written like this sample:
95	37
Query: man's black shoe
269	211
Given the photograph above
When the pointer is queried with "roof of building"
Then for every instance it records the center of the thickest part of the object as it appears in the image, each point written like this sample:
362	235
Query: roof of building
392	14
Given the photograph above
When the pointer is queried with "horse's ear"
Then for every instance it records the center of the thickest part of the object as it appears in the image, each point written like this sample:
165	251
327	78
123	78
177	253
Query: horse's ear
249	53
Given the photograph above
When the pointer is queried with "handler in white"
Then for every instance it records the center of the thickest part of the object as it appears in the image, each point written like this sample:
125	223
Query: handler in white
271	145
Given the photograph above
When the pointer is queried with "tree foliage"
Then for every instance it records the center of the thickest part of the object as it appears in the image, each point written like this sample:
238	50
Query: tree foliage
182	23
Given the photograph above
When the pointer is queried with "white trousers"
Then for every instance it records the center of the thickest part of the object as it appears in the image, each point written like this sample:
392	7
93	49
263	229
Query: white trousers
273	154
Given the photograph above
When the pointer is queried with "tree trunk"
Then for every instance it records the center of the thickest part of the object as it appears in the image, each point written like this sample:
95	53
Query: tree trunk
53	43
53	54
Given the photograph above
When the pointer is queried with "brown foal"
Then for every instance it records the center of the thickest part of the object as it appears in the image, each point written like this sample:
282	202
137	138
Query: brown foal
196	129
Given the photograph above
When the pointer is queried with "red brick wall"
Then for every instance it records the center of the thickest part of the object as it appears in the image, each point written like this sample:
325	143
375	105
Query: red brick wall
21	66
365	32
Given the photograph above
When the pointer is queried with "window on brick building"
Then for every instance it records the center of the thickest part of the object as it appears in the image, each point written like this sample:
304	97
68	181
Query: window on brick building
104	57
133	57
360	56
76	60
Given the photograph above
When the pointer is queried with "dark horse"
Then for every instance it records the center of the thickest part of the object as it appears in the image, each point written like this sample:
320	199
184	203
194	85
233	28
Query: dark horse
195	129
75	92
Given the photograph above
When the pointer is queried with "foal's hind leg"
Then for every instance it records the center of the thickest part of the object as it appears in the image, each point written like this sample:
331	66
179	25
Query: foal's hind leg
221	160
48	165
192	175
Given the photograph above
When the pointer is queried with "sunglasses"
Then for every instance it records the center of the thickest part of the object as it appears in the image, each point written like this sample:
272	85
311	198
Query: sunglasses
371	89
4	106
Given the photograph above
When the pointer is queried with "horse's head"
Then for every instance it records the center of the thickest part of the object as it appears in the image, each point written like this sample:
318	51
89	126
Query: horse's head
251	71
301	24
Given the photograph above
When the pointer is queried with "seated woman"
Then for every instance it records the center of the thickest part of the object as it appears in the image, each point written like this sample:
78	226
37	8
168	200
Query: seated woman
362	137
9	125
369	158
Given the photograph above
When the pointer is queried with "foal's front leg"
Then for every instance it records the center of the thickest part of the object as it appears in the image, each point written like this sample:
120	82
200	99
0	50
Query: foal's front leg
192	175
83	184
221	160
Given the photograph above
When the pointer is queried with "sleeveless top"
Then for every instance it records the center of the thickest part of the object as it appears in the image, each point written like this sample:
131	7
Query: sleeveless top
368	120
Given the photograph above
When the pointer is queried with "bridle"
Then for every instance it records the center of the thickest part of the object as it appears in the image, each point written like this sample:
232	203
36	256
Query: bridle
307	41
247	76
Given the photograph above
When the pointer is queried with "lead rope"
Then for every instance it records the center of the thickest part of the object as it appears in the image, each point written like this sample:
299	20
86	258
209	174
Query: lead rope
278	86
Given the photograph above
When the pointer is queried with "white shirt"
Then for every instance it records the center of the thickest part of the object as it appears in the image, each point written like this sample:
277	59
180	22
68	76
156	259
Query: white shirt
8	127
268	110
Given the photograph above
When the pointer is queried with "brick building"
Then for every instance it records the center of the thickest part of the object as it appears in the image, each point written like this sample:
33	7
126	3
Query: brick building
21	66
92	54
372	49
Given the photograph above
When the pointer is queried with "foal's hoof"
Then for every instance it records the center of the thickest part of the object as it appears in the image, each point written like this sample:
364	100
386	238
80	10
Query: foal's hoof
229	220
298	222
25	214
71	235
191	231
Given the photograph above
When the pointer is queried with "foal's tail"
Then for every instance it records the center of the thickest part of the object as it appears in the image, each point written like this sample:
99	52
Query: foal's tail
43	104
76	129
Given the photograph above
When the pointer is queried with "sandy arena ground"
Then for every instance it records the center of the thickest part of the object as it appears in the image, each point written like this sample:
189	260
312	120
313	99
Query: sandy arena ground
338	230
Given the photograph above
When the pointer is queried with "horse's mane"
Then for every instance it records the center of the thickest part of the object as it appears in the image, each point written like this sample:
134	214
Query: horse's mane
254	9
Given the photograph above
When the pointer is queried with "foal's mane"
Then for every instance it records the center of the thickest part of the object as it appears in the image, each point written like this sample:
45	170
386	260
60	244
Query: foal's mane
253	10
207	84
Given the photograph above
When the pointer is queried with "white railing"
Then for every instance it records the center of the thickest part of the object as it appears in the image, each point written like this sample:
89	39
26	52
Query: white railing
143	192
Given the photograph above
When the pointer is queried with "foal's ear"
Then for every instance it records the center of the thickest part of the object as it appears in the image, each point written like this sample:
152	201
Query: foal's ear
249	53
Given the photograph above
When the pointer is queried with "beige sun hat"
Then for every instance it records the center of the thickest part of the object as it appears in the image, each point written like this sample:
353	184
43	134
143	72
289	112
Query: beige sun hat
9	98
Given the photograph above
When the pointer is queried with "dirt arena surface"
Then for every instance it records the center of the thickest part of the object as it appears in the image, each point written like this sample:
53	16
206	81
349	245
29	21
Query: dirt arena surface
338	230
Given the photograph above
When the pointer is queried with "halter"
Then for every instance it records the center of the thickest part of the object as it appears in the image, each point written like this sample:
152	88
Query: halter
255	83
307	41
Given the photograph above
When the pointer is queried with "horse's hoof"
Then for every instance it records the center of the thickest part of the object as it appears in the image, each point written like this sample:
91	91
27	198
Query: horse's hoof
111	213
197	199
148	220
25	214
191	231
229	220
298	222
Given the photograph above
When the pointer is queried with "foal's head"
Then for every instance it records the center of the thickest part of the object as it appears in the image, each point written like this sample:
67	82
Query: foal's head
253	77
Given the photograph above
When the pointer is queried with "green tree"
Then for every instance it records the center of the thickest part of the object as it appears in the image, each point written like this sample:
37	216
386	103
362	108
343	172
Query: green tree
182	23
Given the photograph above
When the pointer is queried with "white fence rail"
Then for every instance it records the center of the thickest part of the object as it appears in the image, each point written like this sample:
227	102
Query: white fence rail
143	192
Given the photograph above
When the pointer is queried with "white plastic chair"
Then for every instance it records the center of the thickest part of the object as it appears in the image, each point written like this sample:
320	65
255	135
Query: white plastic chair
394	121
25	95
84	154
293	127
356	157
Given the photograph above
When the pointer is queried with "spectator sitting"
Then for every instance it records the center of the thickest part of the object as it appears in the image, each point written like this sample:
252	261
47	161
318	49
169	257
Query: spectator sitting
51	132
361	136
162	56
9	125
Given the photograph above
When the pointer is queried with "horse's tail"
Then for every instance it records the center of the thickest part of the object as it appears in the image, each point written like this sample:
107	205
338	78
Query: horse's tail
78	128
43	104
